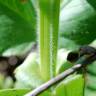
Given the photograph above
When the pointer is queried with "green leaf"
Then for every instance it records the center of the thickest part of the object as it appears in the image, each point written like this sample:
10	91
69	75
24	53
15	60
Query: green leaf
91	81
18	50
67	43
62	63
92	68
28	73
46	93
64	3
92	2
77	22
17	23
71	86
89	92
13	92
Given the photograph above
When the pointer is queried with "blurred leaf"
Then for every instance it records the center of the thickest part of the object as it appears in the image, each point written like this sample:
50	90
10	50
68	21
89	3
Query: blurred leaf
78	21
2	78
19	50
17	23
29	72
62	63
67	43
92	68
71	86
13	92
65	3
89	92
46	93
8	83
91	81
92	2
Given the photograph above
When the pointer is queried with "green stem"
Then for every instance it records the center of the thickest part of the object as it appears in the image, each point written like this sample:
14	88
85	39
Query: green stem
54	33
49	22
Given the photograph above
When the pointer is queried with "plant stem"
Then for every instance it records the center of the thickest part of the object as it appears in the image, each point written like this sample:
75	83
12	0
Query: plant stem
48	36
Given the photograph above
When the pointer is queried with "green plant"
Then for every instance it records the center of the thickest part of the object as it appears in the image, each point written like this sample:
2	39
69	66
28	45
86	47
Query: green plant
18	25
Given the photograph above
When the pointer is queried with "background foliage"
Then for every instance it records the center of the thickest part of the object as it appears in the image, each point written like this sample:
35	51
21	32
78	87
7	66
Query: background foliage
18	26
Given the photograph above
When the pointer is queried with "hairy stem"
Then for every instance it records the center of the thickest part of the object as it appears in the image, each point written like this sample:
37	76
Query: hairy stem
48	36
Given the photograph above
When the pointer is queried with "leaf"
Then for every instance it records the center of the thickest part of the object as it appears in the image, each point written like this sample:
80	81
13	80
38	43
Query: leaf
92	68
89	92
13	92
77	22
17	23
67	43
19	50
8	83
92	2
91	81
46	93
71	86
28	74
62	63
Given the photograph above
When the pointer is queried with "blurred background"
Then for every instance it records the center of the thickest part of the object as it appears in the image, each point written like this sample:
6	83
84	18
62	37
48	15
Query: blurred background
18	39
